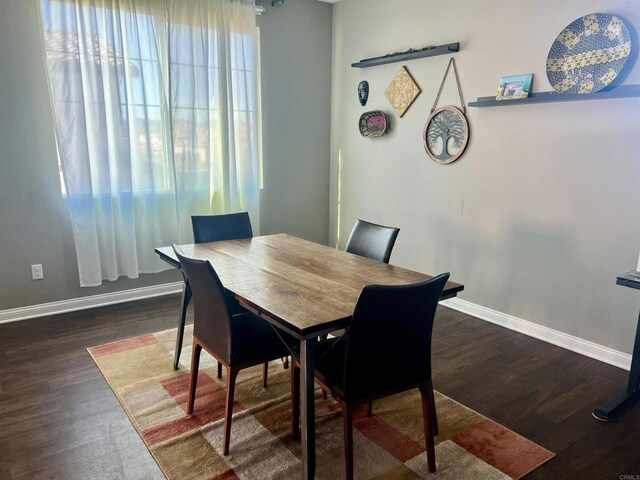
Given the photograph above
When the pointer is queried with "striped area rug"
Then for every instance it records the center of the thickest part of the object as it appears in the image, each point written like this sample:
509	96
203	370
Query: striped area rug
390	445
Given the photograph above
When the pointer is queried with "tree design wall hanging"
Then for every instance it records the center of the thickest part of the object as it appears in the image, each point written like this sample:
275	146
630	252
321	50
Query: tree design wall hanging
446	132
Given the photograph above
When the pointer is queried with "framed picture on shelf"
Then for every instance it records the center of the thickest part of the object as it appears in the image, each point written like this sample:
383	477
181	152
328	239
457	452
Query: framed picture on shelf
515	86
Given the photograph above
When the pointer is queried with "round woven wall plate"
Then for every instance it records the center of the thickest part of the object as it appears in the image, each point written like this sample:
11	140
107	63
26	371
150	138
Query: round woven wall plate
589	54
446	134
373	124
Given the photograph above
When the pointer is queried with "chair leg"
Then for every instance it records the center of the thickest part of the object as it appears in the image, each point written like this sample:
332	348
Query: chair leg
347	420
219	370
186	298
295	402
426	393
370	409
434	415
265	373
195	365
232	373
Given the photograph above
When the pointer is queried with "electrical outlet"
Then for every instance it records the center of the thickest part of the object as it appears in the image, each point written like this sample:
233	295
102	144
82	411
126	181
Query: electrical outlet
36	272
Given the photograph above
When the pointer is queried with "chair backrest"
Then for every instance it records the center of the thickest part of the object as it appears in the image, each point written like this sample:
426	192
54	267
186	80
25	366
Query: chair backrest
211	323
215	228
372	241
392	322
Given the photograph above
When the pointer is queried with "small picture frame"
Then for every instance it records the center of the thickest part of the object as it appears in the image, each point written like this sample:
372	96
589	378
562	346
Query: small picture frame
515	86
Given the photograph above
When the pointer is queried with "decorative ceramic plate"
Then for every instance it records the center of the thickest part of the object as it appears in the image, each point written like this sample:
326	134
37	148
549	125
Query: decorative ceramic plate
373	124
589	54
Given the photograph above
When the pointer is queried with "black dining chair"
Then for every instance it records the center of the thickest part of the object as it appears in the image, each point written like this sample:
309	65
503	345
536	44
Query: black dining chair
372	240
235	341
212	228
395	321
215	228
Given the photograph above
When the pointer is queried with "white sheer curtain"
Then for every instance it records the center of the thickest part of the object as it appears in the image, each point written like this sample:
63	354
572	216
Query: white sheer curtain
154	121
212	45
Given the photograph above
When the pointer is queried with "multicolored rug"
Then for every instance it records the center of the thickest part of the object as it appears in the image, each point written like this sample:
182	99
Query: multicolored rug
390	445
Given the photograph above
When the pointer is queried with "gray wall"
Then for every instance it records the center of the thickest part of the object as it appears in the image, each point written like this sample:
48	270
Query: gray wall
541	213
34	221
296	111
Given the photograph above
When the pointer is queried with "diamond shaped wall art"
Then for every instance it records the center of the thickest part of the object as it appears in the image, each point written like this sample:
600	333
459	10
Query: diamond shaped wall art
402	91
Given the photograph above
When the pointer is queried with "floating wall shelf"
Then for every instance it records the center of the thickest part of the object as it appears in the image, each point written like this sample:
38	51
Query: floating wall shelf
624	91
403	57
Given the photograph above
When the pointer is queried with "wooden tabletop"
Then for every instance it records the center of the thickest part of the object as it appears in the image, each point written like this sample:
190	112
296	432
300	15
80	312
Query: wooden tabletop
305	287
168	255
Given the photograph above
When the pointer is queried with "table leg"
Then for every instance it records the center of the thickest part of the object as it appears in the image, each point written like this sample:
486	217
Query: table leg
634	374
307	390
607	412
186	298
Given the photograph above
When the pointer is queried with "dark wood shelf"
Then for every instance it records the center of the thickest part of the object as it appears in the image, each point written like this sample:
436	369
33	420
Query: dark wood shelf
624	91
630	279
403	57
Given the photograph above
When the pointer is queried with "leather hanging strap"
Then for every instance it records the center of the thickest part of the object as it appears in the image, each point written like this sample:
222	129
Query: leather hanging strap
444	79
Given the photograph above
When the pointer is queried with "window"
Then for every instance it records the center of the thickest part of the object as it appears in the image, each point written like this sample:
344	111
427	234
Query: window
125	66
156	117
140	90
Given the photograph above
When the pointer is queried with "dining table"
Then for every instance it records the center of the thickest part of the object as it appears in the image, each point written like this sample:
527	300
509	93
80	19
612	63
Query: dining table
303	288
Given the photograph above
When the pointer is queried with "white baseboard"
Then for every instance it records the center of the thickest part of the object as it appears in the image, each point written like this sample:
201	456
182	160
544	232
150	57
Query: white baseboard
84	303
560	339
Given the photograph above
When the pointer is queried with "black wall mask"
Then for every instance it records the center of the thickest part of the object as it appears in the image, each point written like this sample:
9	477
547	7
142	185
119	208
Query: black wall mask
363	92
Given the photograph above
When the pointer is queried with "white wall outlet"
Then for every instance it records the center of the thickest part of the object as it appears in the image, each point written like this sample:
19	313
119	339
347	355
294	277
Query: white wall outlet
36	272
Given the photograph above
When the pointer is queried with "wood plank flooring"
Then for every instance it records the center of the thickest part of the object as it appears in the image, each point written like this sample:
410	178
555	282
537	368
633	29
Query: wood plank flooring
59	419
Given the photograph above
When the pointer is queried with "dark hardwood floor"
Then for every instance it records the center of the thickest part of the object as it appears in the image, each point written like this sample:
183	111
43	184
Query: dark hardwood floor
59	419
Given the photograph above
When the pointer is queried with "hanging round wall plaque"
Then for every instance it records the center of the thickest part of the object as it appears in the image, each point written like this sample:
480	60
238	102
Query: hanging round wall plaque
446	133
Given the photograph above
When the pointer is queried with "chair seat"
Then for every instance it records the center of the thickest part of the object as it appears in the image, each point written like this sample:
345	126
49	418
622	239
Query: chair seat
234	306
257	340
330	364
330	370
